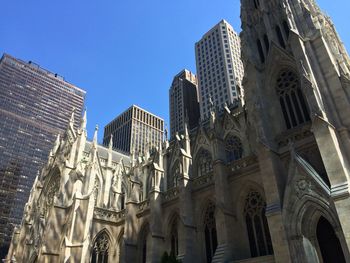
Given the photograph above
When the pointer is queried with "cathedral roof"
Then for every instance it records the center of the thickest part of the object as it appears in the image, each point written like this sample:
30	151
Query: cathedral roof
117	156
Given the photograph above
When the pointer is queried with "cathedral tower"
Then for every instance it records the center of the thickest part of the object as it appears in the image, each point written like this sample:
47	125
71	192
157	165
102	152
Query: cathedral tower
297	82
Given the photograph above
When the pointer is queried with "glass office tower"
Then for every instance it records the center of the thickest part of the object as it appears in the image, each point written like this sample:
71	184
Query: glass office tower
35	105
133	129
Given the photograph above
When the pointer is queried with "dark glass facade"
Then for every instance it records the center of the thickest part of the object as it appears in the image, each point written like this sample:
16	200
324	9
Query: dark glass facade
183	102
35	105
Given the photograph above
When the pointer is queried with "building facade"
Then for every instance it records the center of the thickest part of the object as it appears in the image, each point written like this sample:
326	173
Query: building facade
134	130
35	105
183	102
263	182
219	68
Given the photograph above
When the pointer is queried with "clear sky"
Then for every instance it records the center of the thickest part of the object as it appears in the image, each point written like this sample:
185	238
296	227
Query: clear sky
121	52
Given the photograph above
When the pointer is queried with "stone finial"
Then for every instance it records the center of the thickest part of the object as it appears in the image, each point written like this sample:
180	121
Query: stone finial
186	130
227	108
56	144
212	118
110	145
95	136
110	150
83	121
71	120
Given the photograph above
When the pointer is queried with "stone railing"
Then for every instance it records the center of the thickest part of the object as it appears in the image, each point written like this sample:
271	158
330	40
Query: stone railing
202	180
144	205
109	215
243	163
171	194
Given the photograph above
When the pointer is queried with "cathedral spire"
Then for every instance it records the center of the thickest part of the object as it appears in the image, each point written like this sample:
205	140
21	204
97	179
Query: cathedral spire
83	122
110	145
94	141
56	144
71	120
110	151
187	145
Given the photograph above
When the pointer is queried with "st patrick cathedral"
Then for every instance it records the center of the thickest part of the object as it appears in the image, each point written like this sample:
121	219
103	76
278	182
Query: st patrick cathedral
266	180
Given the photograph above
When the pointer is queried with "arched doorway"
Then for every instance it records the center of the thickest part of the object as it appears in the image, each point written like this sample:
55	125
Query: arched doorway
328	242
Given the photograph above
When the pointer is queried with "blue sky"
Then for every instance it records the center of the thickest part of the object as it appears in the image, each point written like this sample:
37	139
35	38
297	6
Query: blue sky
121	52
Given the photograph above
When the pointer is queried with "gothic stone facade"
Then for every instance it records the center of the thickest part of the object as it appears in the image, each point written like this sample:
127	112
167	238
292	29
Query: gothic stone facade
267	181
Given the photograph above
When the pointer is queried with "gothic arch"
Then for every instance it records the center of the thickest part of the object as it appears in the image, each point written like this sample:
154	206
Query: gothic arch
209	231
102	248
202	141
233	147
120	246
173	173
144	243
172	233
303	219
256	225
56	169
250	204
292	100
51	190
284	94
97	190
246	187
203	162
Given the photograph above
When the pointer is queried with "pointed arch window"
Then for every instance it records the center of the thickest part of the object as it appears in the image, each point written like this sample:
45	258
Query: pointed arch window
280	36
143	244
286	28
256	3
267	43
100	249
233	148
174	239
205	163
294	108
260	50
174	175
257	227
211	241
51	193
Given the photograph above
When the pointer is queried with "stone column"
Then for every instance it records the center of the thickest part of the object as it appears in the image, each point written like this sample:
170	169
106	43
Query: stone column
337	170
157	245
130	253
271	176
187	230
131	229
224	217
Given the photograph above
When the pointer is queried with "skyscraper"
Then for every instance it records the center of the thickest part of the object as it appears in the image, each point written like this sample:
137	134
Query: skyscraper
35	105
183	102
134	129
219	68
